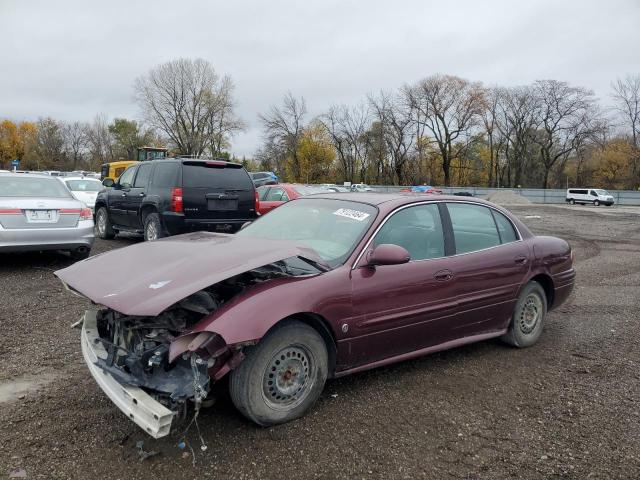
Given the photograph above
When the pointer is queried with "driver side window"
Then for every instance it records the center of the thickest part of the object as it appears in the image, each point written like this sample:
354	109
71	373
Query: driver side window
126	179
417	229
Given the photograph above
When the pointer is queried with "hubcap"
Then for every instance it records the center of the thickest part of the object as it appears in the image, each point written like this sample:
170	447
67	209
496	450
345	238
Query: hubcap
288	377
152	232
102	223
531	313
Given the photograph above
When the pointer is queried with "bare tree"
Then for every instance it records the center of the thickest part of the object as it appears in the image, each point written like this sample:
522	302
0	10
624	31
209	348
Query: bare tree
76	141
517	109
396	127
495	138
223	123
100	142
626	94
347	127
50	144
449	107
178	98
283	126
564	118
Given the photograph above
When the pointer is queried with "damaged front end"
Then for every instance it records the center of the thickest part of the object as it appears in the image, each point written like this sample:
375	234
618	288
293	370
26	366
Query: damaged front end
154	367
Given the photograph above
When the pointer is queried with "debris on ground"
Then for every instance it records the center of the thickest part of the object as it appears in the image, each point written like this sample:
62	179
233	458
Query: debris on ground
142	453
17	473
507	197
532	216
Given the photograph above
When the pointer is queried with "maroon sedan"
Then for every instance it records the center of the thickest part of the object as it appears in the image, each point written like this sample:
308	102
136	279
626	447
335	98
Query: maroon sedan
322	287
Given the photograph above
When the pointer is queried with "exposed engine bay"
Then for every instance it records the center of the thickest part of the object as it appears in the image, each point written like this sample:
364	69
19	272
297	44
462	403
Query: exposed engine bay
142	350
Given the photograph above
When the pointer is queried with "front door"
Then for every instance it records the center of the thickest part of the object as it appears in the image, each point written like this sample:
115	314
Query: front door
402	308
119	197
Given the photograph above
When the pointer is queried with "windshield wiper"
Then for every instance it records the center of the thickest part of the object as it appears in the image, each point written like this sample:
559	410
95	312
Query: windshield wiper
323	267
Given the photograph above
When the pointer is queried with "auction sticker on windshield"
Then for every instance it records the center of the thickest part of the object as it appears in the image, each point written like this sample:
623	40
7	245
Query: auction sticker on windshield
352	214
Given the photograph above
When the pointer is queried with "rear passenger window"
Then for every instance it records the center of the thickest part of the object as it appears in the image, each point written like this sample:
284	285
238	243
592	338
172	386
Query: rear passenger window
166	175
275	195
262	193
142	178
505	228
417	229
473	227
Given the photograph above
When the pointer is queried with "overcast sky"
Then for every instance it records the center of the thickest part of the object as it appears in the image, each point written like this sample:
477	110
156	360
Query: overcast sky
74	59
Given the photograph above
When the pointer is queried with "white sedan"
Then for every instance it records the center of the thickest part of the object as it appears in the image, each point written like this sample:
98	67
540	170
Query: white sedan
83	188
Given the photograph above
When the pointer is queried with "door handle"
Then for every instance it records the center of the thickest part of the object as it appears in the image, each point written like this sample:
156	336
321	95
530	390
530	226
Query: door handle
520	260
123	195
141	194
443	275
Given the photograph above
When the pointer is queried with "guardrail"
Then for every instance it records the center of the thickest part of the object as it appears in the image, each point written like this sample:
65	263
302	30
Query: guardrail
534	195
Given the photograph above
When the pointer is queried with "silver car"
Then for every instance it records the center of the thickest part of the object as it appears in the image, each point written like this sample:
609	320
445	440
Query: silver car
39	213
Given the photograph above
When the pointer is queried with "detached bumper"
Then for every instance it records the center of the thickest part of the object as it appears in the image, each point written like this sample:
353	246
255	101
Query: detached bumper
149	414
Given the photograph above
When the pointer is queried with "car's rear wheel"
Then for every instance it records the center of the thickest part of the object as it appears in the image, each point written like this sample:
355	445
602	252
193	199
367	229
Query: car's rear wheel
282	376
103	224
572	201
528	317
596	203
152	227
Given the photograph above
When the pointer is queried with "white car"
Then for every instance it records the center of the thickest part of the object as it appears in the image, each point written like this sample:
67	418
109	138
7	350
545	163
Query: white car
361	187
84	189
596	196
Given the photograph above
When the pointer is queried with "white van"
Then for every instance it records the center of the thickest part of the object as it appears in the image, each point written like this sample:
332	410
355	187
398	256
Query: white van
597	196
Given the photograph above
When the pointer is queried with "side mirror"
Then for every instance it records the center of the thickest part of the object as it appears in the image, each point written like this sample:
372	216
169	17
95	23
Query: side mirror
388	254
108	182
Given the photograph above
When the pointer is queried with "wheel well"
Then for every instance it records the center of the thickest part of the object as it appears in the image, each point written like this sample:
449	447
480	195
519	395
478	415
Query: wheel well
146	210
547	285
319	324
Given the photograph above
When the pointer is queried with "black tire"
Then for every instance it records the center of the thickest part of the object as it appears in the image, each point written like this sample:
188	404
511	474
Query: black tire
528	317
282	376
596	203
103	224
80	254
153	227
572	201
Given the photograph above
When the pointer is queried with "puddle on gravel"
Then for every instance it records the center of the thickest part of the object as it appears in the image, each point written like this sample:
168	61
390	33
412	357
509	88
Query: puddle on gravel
12	390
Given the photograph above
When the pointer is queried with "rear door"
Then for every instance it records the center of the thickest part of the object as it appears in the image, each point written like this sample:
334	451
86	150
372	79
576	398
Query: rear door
217	192
490	264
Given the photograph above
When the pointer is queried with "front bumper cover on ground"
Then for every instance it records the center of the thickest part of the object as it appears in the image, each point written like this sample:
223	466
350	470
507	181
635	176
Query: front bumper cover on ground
149	414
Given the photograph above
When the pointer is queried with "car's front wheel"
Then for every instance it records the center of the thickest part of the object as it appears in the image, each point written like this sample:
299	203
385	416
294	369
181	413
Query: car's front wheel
103	224
282	376
528	317
572	201
596	203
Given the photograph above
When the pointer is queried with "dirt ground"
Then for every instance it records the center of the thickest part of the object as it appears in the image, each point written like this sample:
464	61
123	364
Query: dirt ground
568	407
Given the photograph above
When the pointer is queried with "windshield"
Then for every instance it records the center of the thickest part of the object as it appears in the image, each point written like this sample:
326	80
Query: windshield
84	185
332	228
36	187
599	191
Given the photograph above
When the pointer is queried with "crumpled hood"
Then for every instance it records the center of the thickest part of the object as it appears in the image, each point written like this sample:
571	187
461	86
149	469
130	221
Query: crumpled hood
147	278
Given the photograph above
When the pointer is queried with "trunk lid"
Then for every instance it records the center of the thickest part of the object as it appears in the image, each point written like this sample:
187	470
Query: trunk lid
35	213
147	278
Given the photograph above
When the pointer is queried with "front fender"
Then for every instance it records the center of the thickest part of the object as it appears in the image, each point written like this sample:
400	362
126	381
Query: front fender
250	315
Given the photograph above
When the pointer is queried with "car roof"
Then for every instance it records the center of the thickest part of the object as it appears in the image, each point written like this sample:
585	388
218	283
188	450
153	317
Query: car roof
64	179
396	199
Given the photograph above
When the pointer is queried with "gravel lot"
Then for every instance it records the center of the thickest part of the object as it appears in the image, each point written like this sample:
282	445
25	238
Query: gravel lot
568	407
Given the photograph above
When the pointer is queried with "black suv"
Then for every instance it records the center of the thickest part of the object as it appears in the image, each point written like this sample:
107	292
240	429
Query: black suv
176	195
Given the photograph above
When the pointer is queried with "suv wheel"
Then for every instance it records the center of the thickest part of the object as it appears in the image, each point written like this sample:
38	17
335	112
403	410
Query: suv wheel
572	201
103	224
152	227
596	203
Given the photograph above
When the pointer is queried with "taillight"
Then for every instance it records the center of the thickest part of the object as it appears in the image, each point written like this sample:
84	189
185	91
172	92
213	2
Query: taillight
10	211
257	201
176	200
86	214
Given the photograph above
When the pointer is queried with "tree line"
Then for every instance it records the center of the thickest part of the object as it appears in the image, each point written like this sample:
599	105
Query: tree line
445	130
441	130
